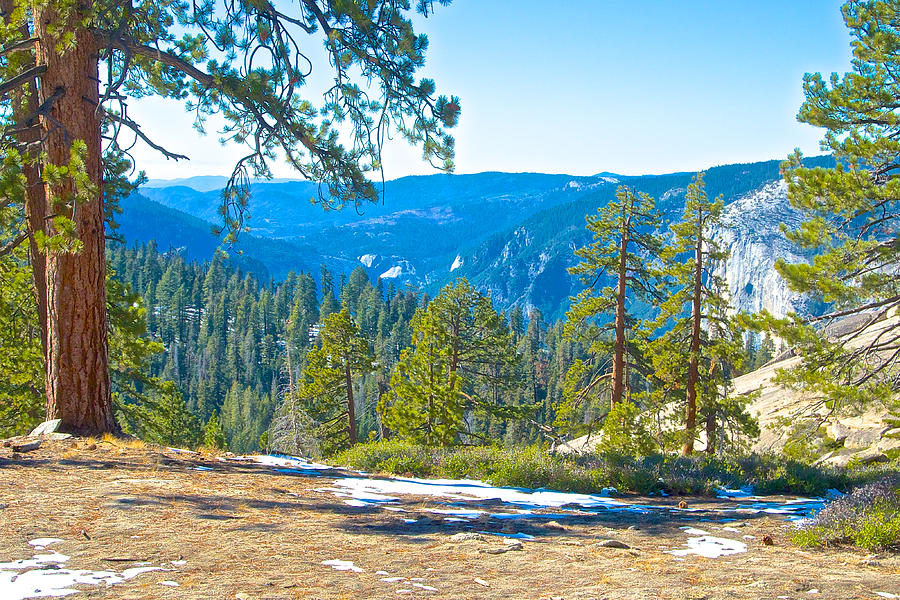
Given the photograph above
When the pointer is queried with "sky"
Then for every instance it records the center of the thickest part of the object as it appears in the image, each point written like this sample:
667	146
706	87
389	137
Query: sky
646	86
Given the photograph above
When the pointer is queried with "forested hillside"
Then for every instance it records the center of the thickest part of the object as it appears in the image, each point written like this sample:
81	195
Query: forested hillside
233	342
511	234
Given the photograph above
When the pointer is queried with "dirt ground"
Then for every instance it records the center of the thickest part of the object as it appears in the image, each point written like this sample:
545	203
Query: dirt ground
246	531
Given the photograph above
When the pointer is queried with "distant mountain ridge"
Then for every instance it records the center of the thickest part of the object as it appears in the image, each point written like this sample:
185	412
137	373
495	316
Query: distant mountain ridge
511	234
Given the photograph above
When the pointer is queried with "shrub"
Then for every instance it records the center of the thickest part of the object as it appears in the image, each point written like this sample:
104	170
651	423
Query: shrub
868	516
533	467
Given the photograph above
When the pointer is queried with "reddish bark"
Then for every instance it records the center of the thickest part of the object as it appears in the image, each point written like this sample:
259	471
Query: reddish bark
77	377
351	404
618	365
690	417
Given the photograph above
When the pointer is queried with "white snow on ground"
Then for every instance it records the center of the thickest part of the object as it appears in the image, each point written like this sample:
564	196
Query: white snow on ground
293	462
711	547
744	492
42	576
342	565
457	263
384	490
694	531
361	490
511	536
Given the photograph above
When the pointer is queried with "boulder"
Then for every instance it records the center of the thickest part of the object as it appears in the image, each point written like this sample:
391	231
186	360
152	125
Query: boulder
824	458
887	445
25	444
838	431
860	439
839	460
46	428
872	455
613	544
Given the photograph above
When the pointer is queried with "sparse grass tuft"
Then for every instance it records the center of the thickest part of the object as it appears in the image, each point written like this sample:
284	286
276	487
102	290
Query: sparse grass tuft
868	517
533	467
132	443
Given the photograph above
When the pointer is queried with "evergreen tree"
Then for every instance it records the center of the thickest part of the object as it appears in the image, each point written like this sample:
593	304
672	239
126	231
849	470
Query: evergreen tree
241	60
213	434
852	221
332	370
623	252
461	356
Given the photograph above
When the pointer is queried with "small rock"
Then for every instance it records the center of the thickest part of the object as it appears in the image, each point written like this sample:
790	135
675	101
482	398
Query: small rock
682	504
47	427
768	541
465	537
509	547
26	445
612	544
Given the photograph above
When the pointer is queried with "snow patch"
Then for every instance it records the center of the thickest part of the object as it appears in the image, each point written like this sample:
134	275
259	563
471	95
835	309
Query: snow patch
385	490
710	547
342	565
39	579
457	263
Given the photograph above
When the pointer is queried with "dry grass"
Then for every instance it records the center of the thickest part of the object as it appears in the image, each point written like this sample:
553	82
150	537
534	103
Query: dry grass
246	529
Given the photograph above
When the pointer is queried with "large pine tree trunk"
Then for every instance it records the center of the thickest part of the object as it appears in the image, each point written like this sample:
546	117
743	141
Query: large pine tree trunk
77	377
690	417
618	366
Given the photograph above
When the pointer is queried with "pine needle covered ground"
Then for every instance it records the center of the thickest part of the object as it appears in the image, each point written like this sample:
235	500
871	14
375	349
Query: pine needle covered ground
237	529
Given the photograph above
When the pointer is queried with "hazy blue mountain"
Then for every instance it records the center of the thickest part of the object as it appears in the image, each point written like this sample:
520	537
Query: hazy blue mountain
510	233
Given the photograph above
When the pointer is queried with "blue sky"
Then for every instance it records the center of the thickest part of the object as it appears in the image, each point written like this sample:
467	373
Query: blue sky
647	86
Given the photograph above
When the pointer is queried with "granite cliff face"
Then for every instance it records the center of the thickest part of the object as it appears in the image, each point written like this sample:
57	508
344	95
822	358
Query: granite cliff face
528	265
756	242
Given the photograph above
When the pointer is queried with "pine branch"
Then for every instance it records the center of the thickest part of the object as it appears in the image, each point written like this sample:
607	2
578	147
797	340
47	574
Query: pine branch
26	77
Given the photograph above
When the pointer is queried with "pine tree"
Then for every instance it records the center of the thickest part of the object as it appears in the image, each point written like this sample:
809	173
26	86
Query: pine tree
461	355
702	346
213	434
333	369
852	220
241	60
623	252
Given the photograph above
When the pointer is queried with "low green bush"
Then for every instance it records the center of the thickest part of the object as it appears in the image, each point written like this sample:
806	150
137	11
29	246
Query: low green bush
868	517
534	467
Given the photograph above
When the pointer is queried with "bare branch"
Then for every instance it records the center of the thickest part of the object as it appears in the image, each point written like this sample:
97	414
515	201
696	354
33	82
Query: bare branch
27	76
137	131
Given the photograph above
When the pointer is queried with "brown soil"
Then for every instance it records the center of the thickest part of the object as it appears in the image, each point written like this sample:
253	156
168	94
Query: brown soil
249	532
